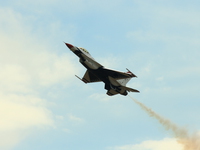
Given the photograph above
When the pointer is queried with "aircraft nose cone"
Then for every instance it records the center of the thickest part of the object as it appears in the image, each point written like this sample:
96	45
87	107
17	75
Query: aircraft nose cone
69	45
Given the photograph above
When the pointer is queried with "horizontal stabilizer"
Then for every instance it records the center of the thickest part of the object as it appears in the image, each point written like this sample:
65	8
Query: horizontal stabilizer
130	89
111	92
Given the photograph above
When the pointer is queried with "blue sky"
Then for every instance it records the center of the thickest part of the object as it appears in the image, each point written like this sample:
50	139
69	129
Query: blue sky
43	105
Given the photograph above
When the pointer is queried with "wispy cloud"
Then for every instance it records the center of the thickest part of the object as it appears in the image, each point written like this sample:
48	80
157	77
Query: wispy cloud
74	118
162	36
165	144
22	111
20	115
27	64
29	58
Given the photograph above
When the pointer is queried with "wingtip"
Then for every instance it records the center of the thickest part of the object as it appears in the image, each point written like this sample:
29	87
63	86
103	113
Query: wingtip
133	75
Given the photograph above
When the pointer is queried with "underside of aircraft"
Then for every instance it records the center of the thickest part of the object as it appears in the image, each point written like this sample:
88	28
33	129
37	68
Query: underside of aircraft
115	81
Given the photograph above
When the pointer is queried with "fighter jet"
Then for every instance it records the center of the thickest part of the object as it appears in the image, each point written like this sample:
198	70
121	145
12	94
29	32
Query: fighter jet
115	81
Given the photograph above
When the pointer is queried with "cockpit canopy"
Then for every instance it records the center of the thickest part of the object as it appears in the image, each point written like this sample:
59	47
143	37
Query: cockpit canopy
83	49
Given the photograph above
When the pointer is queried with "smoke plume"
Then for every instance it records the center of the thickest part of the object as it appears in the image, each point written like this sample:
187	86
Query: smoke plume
189	142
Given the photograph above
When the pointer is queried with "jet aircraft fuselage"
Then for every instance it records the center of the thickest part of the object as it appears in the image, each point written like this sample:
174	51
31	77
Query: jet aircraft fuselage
115	81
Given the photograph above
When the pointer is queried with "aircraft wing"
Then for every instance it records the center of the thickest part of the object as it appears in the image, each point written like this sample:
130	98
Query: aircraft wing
89	77
119	75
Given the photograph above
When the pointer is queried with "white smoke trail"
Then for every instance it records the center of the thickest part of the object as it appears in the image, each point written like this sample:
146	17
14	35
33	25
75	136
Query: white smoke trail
189	142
